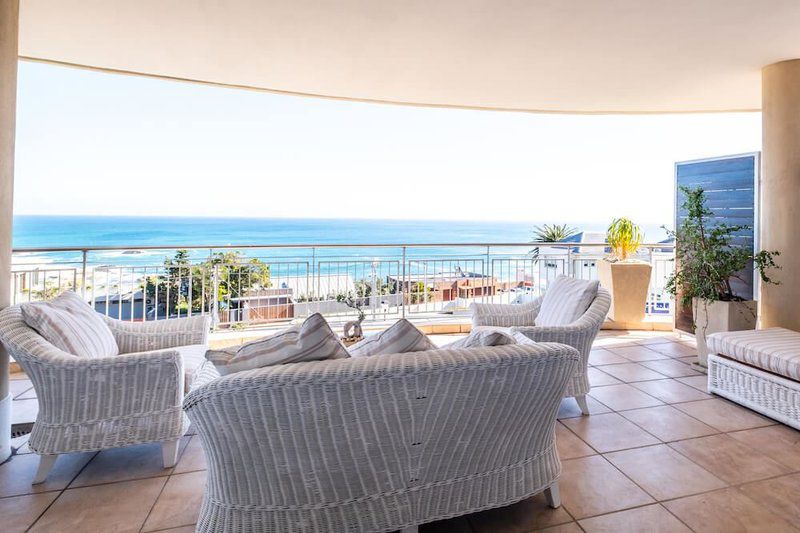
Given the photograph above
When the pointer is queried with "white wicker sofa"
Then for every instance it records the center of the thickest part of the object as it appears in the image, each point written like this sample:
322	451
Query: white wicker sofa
380	443
580	334
759	369
89	404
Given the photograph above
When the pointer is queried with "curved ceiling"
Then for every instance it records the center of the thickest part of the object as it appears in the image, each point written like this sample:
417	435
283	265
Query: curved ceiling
587	56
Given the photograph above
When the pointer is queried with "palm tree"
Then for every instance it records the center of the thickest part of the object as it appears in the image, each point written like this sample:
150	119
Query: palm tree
551	233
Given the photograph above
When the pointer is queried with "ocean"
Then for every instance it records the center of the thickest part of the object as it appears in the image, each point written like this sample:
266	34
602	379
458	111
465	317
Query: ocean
40	231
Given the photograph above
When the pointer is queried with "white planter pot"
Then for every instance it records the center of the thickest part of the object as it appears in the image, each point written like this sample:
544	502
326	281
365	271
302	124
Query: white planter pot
628	283
714	317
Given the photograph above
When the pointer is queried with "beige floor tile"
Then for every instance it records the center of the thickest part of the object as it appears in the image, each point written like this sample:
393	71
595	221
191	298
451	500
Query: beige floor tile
726	511
698	382
29	394
17	473
118	507
19	386
18	513
522	517
631	372
569	445
598	378
671	391
599	356
621	397
569	408
675	349
671	368
729	459
609	342
690	359
779	495
571	527
668	423
124	464
591	486
638	353
192	458
179	503
659	339
779	442
182	529
663	472
609	432
724	415
647	519
24	411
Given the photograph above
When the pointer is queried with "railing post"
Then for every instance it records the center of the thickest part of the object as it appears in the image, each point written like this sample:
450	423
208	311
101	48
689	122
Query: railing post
488	274
84	257
215	297
569	261
403	287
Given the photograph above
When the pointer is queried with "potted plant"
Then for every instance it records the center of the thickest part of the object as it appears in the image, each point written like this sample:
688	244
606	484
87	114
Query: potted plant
626	278
706	262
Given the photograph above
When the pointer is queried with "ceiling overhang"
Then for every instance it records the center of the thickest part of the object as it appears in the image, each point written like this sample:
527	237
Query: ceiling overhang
570	56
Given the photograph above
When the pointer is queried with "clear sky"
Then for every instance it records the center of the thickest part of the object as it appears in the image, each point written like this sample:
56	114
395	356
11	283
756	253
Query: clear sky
100	144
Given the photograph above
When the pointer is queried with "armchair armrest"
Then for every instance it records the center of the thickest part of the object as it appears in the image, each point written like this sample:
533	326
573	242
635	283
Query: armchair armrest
505	315
159	334
75	390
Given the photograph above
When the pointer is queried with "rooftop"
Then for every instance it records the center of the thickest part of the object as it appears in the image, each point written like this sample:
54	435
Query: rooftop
657	452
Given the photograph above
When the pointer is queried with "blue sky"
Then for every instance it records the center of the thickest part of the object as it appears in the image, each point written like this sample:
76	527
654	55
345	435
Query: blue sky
94	143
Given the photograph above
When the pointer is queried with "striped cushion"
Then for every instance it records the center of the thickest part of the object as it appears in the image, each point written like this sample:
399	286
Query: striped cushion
566	300
401	337
506	316
69	324
775	350
312	341
483	337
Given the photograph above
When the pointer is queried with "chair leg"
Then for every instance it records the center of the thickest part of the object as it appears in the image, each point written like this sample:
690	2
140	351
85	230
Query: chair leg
46	463
582	404
169	453
553	496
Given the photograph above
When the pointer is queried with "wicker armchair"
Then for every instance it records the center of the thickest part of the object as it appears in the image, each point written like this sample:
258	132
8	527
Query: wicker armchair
380	443
93	404
580	334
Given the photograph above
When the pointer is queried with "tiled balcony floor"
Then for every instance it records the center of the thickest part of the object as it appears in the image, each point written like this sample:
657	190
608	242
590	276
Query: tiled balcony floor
657	454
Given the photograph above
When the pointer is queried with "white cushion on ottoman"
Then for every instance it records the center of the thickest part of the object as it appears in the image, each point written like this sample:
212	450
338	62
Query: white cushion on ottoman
775	350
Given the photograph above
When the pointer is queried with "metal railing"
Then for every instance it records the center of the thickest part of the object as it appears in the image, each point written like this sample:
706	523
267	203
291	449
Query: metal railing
250	284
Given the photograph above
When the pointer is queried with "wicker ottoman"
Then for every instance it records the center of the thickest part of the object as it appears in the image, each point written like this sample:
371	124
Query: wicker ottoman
759	369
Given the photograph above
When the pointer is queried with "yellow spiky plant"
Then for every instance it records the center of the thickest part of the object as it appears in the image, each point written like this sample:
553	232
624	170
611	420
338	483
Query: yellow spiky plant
624	237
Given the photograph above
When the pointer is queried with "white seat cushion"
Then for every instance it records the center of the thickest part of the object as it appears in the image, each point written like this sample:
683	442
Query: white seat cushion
483	337
313	341
566	300
775	350
69	324
194	357
400	337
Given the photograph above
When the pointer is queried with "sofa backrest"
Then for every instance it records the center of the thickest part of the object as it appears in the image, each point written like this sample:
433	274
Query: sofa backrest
314	434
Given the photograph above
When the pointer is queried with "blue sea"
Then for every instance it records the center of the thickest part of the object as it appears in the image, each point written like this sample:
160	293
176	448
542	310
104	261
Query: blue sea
39	231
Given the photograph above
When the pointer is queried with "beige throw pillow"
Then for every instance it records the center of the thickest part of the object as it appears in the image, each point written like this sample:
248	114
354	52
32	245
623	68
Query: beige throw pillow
485	337
71	325
312	341
401	337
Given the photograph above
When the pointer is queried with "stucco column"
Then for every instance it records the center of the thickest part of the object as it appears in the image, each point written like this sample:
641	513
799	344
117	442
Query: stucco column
9	30
780	191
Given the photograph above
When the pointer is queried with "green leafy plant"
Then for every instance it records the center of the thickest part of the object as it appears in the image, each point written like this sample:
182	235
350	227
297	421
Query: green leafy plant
707	258
551	233
624	237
